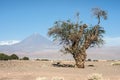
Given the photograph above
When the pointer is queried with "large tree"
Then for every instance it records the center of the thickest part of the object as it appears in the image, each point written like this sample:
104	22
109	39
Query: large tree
76	37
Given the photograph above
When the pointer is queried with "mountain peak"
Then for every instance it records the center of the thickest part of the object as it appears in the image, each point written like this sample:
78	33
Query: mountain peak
36	38
36	34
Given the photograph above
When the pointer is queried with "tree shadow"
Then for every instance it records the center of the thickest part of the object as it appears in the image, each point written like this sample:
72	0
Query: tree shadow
58	64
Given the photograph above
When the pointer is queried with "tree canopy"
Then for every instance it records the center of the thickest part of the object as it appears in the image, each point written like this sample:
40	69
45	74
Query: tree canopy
77	37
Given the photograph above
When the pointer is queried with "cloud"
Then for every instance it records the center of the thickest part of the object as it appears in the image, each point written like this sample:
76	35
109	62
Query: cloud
112	41
9	42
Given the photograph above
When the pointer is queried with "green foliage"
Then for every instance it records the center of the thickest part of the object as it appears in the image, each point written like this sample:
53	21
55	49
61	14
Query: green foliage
14	57
7	57
89	60
25	58
4	56
76	36
98	13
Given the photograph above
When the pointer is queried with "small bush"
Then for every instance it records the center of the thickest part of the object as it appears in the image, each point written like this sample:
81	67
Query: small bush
4	56
53	78
41	78
14	57
95	60
7	57
37	59
115	63
91	65
25	58
89	60
95	76
57	78
44	60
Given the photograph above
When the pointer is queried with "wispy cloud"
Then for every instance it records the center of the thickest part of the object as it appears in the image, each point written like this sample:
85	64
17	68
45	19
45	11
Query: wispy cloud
112	41
9	42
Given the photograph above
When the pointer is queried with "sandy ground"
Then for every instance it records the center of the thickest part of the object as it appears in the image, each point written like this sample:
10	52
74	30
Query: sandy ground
44	70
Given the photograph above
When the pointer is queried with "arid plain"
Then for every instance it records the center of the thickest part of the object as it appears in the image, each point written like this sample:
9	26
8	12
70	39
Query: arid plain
45	70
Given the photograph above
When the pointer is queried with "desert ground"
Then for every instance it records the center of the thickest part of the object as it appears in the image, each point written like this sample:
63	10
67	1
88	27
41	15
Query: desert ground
45	70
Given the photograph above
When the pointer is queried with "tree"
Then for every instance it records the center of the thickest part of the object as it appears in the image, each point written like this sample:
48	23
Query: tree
14	57
76	38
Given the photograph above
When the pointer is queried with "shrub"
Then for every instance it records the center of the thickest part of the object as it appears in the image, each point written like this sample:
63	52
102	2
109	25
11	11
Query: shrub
95	60
95	76
25	58
53	78
4	56
89	60
115	63
44	60
37	59
41	78
91	65
14	57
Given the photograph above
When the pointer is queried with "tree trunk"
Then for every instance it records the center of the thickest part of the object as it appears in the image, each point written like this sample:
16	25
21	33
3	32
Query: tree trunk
80	59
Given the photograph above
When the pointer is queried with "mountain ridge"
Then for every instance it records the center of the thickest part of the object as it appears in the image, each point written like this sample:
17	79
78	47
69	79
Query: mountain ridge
31	44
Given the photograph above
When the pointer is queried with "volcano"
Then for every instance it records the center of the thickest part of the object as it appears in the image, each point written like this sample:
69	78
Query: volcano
34	45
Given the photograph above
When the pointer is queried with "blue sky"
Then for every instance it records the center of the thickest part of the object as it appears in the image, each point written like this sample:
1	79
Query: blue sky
21	18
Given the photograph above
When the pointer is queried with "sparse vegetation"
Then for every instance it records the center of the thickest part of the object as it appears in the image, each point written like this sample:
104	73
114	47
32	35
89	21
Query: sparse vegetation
25	58
14	57
41	78
4	56
57	78
91	65
7	57
76	37
37	59
96	76
89	60
115	63
44	59
95	60
58	64
11	57
53	78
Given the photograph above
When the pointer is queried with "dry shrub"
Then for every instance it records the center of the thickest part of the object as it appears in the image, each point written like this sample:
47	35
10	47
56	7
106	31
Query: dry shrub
115	63
53	78
57	78
41	78
96	76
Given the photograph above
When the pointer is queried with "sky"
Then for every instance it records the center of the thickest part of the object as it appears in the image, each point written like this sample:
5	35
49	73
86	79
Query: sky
21	18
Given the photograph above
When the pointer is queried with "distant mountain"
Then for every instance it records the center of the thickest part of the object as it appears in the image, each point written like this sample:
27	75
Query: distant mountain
35	42
32	45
